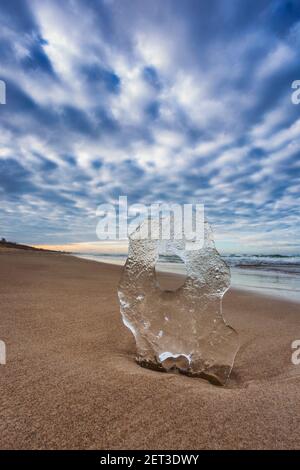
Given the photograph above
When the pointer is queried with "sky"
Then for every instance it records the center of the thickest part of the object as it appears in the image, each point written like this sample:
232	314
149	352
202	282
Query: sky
161	101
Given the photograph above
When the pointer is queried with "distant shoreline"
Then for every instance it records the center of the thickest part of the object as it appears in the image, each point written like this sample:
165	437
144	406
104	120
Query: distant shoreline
20	246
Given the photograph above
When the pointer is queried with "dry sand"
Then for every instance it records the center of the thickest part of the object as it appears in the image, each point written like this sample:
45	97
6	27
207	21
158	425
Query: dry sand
71	380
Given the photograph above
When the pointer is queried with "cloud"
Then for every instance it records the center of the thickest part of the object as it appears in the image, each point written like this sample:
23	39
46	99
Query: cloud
160	101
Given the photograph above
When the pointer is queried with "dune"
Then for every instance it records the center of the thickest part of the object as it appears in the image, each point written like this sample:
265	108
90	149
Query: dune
71	380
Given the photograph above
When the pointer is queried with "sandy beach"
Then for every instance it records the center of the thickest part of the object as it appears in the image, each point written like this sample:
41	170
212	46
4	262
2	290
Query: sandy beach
71	381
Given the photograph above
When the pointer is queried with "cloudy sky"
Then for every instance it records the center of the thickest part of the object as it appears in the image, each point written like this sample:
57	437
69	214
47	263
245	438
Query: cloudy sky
178	101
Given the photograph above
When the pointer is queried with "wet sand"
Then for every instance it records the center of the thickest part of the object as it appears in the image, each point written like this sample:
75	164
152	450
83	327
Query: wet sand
71	381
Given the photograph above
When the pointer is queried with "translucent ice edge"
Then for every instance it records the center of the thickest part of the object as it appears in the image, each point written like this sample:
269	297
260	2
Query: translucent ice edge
166	355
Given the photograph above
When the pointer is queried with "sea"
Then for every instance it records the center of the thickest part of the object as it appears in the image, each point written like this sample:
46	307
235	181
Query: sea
272	275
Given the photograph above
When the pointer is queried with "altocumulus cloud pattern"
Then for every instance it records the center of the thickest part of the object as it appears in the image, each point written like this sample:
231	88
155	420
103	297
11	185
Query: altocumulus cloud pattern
187	101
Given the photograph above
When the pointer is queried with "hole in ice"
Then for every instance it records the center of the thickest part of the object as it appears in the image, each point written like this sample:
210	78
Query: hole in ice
170	272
